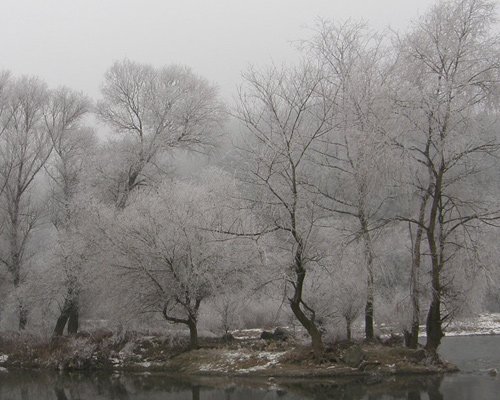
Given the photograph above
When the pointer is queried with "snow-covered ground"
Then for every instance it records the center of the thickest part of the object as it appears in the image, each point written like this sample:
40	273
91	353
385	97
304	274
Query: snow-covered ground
484	324
242	362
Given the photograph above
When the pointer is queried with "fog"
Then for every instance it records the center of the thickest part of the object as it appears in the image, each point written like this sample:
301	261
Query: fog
349	187
73	42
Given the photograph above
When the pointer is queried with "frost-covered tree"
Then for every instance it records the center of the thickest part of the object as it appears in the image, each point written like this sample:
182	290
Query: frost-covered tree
155	110
167	250
73	147
286	116
449	72
26	147
353	155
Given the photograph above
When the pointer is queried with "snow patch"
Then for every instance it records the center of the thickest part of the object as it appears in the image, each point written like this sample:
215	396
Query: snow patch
484	324
3	358
271	358
145	364
230	361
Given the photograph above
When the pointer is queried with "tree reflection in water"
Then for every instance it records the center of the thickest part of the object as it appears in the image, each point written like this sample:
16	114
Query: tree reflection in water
24	385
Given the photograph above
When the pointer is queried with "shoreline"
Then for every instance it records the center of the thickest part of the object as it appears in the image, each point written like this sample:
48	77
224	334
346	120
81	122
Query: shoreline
255	358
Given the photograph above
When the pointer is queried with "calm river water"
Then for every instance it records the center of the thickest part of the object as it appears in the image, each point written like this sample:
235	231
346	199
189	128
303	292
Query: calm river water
475	355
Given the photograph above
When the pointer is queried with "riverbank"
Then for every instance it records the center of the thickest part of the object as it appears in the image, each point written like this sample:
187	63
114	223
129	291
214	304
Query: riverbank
252	357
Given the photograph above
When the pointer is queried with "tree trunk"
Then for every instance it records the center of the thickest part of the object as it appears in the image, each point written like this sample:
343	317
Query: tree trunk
348	329
193	333
433	327
311	328
412	341
23	317
69	315
296	302
433	324
368	252
307	323
369	333
190	321
61	323
73	320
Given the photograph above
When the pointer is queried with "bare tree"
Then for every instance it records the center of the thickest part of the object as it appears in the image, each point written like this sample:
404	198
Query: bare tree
353	60
26	149
72	146
155	110
168	254
450	69
286	117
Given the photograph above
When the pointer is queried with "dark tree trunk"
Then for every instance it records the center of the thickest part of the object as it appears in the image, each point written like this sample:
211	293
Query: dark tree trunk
193	333
60	324
348	329
370	283
73	320
69	315
433	327
311	328
296	302
23	317
434	323
412	341
191	320
369	333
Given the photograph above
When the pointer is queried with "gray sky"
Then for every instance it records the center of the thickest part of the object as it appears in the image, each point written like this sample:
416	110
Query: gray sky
73	42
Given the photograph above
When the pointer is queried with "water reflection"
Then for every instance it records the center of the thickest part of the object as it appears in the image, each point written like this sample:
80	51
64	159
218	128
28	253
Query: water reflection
44	386
473	354
414	388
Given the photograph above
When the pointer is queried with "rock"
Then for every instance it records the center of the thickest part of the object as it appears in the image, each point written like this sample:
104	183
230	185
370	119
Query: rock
353	356
281	334
493	372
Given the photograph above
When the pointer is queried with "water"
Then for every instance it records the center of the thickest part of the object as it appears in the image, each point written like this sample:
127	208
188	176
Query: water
474	355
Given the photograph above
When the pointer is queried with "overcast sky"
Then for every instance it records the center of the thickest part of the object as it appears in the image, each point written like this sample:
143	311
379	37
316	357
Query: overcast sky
73	42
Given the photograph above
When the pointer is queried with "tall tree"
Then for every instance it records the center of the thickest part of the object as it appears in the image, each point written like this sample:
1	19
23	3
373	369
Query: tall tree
26	149
72	146
450	72
286	116
353	60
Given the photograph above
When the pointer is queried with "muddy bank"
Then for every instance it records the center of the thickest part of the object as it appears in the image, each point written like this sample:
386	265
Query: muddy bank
255	357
